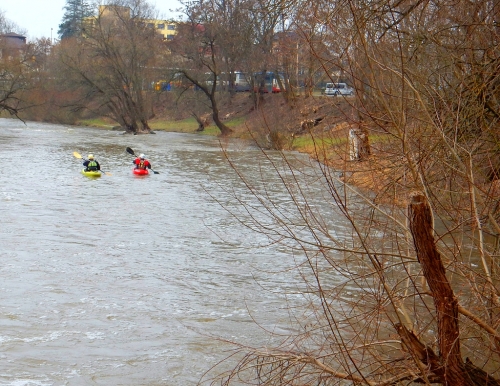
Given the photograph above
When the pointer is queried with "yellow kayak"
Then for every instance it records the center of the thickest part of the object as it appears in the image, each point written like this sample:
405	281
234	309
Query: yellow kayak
92	173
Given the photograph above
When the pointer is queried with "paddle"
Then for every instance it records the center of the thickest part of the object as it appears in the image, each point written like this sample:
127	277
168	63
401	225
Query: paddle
130	151
79	156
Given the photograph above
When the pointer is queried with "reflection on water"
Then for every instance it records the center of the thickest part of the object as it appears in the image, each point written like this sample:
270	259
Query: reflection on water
121	280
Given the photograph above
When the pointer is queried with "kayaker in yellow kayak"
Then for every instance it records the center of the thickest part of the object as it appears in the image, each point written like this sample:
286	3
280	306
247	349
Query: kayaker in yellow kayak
91	164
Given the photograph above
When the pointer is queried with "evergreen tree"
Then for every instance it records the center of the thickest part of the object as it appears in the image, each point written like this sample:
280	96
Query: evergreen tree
75	13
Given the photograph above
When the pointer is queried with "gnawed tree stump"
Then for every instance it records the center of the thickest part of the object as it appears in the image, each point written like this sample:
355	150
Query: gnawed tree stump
359	145
203	121
448	366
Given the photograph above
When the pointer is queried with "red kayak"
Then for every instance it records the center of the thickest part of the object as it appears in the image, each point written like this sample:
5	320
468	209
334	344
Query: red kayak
141	172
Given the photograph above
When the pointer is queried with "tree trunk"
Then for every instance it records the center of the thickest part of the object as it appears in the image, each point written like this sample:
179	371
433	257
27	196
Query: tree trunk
424	354
133	127
448	366
202	122
224	130
145	126
211	94
359	146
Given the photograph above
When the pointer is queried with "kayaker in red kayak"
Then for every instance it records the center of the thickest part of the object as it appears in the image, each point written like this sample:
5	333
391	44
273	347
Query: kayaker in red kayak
91	165
142	163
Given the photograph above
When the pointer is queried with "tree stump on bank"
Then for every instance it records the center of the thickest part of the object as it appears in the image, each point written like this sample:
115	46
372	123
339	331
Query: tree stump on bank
359	145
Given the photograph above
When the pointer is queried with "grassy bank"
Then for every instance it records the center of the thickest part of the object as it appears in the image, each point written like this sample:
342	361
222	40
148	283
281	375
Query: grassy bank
188	125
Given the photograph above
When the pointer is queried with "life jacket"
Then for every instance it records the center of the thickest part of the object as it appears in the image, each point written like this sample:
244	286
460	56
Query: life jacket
141	164
92	165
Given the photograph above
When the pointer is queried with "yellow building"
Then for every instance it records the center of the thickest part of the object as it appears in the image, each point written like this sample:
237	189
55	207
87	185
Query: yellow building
166	28
114	11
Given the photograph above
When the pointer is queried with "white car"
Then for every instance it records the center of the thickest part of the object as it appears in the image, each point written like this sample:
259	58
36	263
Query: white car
338	89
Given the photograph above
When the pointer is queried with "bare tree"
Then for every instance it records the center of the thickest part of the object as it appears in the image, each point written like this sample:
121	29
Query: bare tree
18	76
7	25
197	57
114	63
404	289
15	68
267	19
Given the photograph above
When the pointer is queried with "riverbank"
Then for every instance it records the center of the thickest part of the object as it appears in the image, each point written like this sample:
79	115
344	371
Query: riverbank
317	125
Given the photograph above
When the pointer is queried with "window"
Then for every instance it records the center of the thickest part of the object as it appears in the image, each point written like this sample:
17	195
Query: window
160	26
151	25
170	37
171	27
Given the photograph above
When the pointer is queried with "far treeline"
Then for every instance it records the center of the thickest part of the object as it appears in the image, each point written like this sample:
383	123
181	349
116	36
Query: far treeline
410	294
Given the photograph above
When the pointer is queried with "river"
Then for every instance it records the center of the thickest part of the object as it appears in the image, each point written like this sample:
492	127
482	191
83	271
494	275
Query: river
127	280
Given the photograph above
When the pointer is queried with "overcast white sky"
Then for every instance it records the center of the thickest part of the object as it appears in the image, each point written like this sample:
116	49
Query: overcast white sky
38	17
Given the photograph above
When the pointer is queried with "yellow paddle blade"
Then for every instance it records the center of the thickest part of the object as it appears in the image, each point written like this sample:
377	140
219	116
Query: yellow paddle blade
108	174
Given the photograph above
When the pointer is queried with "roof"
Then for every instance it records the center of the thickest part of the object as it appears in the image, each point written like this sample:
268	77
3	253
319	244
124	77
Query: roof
13	35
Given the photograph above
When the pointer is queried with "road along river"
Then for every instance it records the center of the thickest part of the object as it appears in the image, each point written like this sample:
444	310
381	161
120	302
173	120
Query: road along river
123	280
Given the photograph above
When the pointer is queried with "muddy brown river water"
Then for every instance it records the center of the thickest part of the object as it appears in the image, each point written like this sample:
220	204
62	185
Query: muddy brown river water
123	280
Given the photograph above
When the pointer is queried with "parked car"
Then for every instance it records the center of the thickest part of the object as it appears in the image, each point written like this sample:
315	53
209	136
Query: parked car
338	89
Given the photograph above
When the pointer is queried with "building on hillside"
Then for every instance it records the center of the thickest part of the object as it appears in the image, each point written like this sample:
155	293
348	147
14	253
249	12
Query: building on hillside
108	14
114	11
167	29
12	45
